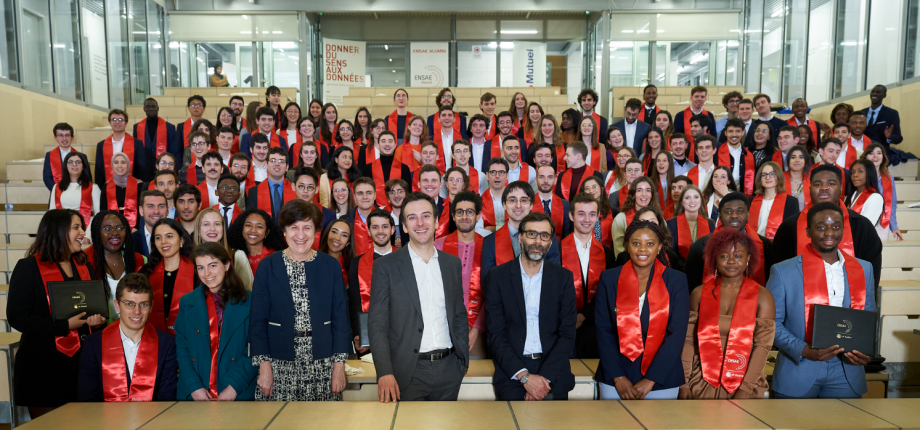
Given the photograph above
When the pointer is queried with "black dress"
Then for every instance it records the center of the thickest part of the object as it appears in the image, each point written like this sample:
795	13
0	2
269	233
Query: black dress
44	377
120	198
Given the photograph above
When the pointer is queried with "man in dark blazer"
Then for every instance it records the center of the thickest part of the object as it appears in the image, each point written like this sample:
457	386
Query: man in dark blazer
884	123
152	207
133	302
530	314
151	136
139	169
417	322
588	99
631	126
266	122
478	126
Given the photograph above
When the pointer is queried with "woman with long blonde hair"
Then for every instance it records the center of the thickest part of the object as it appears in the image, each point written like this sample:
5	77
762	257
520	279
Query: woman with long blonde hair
598	156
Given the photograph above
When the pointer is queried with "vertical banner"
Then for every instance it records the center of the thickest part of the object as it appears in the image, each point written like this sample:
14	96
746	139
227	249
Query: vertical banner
429	64
529	64
344	64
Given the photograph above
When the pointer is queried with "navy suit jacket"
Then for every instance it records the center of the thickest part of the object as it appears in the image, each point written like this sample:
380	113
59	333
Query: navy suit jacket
173	143
271	328
457	117
89	387
486	156
642	130
245	148
553	255
47	177
679	123
506	320
140	240
886	117
140	169
776	123
666	368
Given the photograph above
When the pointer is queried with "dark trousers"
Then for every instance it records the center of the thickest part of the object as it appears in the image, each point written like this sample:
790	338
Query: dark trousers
513	390
434	381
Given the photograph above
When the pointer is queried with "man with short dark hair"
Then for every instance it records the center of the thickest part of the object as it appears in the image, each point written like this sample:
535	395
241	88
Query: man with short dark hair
786	138
449	127
487	106
198	142
152	207
588	99
275	190
505	125
196	107
571	179
265	118
680	148
856	138
53	166
365	191
821	275
187	200
745	115
649	109
238	105
548	203
736	157
493	213
634	131
480	143
705	148
130	361
730	102
212	167
883	122
531	349
166	181
120	141
225	138
517	171
698	95
799	117
385	167
239	166
228	192
258	168
157	135
381	230
763	105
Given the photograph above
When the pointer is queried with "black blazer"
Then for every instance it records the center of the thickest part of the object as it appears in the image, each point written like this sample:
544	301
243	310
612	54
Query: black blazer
586	335
174	144
695	266
90	386
506	320
679	263
486	156
666	368
140	241
140	170
457	117
48	177
367	170
553	255
886	117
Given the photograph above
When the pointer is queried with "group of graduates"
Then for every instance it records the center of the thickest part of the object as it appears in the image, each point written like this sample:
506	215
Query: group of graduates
673	256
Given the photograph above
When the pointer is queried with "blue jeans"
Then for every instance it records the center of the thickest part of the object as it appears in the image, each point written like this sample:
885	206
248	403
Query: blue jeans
609	392
830	383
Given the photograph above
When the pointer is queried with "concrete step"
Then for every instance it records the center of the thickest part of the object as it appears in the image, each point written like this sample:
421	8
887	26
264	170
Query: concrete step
33	193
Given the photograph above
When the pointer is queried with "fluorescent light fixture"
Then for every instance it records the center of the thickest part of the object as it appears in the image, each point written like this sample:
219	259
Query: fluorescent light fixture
641	31
391	60
245	32
285	45
394	71
517	31
277	32
659	31
504	45
173	45
732	43
848	43
59	45
386	47
626	31
777	13
730	70
698	58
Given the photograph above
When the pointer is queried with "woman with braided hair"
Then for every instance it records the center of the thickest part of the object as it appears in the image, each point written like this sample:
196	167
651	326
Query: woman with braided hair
725	352
641	312
112	255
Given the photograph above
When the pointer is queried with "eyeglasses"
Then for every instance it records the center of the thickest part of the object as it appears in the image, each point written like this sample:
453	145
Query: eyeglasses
533	234
305	188
505	122
762	131
523	200
277	160
447	97
199	143
195	105
226	188
455	180
118	228
461	151
460	213
633	170
292	111
167	164
497	172
75	163
131	305
594	187
401	96
396	192
768	175
118	120
226	114
345	129
62	135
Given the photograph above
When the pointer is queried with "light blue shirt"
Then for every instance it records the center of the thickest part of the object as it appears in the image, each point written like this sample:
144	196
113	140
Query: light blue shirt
515	241
532	289
872	114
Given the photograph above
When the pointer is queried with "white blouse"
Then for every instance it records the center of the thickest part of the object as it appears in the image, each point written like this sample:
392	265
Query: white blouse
764	216
873	207
70	198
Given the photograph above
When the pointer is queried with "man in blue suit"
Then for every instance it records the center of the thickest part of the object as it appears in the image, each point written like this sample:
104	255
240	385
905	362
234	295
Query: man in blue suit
146	353
530	313
63	134
802	371
634	131
266	120
884	122
152	207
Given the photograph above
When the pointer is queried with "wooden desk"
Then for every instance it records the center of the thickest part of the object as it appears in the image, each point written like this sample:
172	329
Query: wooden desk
335	415
573	415
454	416
900	412
696	414
811	414
216	415
99	416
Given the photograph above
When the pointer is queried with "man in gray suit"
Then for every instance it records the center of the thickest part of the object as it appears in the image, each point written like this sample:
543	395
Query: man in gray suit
417	320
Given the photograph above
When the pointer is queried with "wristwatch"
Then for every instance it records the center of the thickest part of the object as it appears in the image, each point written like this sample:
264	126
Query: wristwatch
525	377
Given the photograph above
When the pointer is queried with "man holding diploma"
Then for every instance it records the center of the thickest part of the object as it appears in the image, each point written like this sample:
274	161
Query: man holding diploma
833	278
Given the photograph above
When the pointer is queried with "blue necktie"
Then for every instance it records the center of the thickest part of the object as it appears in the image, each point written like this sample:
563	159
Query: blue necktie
276	200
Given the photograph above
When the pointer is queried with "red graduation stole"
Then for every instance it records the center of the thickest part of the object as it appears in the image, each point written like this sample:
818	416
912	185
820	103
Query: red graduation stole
296	150
504	252
473	174
610	182
55	162
488	209
695	176
183	286
361	235
436	130
664	198
405	152
161	134
205	195
727	369
607	229
492	127
596	157
254	260
850	156
365	270
496	146
393	120
115	370
887	188
49	271
380	180
127	148
443	219
629	214
191	171
725	159
778	159
846	244
776	214
86	200
213	338
622	194
861	200
264	195
687	115
556	212
567	180
437	138
452	247
130	211
560	158
759	275
525	172
235	213
806	185
528	139
597	126
370	155
815	280
684	237
811	124
186	130
597	262
629	325
657	109
274	141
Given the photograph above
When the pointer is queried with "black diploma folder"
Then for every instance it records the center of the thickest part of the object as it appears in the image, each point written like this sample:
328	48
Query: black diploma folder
849	328
71	298
362	321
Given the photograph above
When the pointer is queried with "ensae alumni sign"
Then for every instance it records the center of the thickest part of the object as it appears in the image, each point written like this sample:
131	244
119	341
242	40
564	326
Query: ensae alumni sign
344	65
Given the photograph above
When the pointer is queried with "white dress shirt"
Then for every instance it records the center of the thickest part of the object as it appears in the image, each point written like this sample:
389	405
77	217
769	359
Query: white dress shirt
117	145
477	155
764	216
736	157
630	130
584	255
260	173
221	207
533	286
872	208
147	234
212	198
436	334
447	139
130	351
835	281
705	175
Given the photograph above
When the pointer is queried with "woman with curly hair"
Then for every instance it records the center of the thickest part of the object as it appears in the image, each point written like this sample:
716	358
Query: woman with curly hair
112	255
642	193
255	233
641	312
715	340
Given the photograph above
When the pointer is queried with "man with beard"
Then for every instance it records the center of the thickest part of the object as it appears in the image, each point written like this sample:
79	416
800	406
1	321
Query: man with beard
212	166
152	206
517	171
551	205
466	244
365	192
505	125
588	99
821	275
199	142
679	148
187	200
586	257
381	229
385	167
237	104
745	115
859	237
397	190
531	349
504	246
239	167
734	211
543	155
166	181
649	109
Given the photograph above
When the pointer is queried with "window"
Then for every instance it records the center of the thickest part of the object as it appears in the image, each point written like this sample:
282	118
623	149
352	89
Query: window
850	61
68	58
36	44
820	51
9	60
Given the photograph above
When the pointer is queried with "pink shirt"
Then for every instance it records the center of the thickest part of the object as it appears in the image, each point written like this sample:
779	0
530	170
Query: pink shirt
466	251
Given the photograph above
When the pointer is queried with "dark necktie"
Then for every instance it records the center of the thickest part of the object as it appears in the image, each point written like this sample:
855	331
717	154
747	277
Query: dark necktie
597	230
874	116
227	216
547	204
276	200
